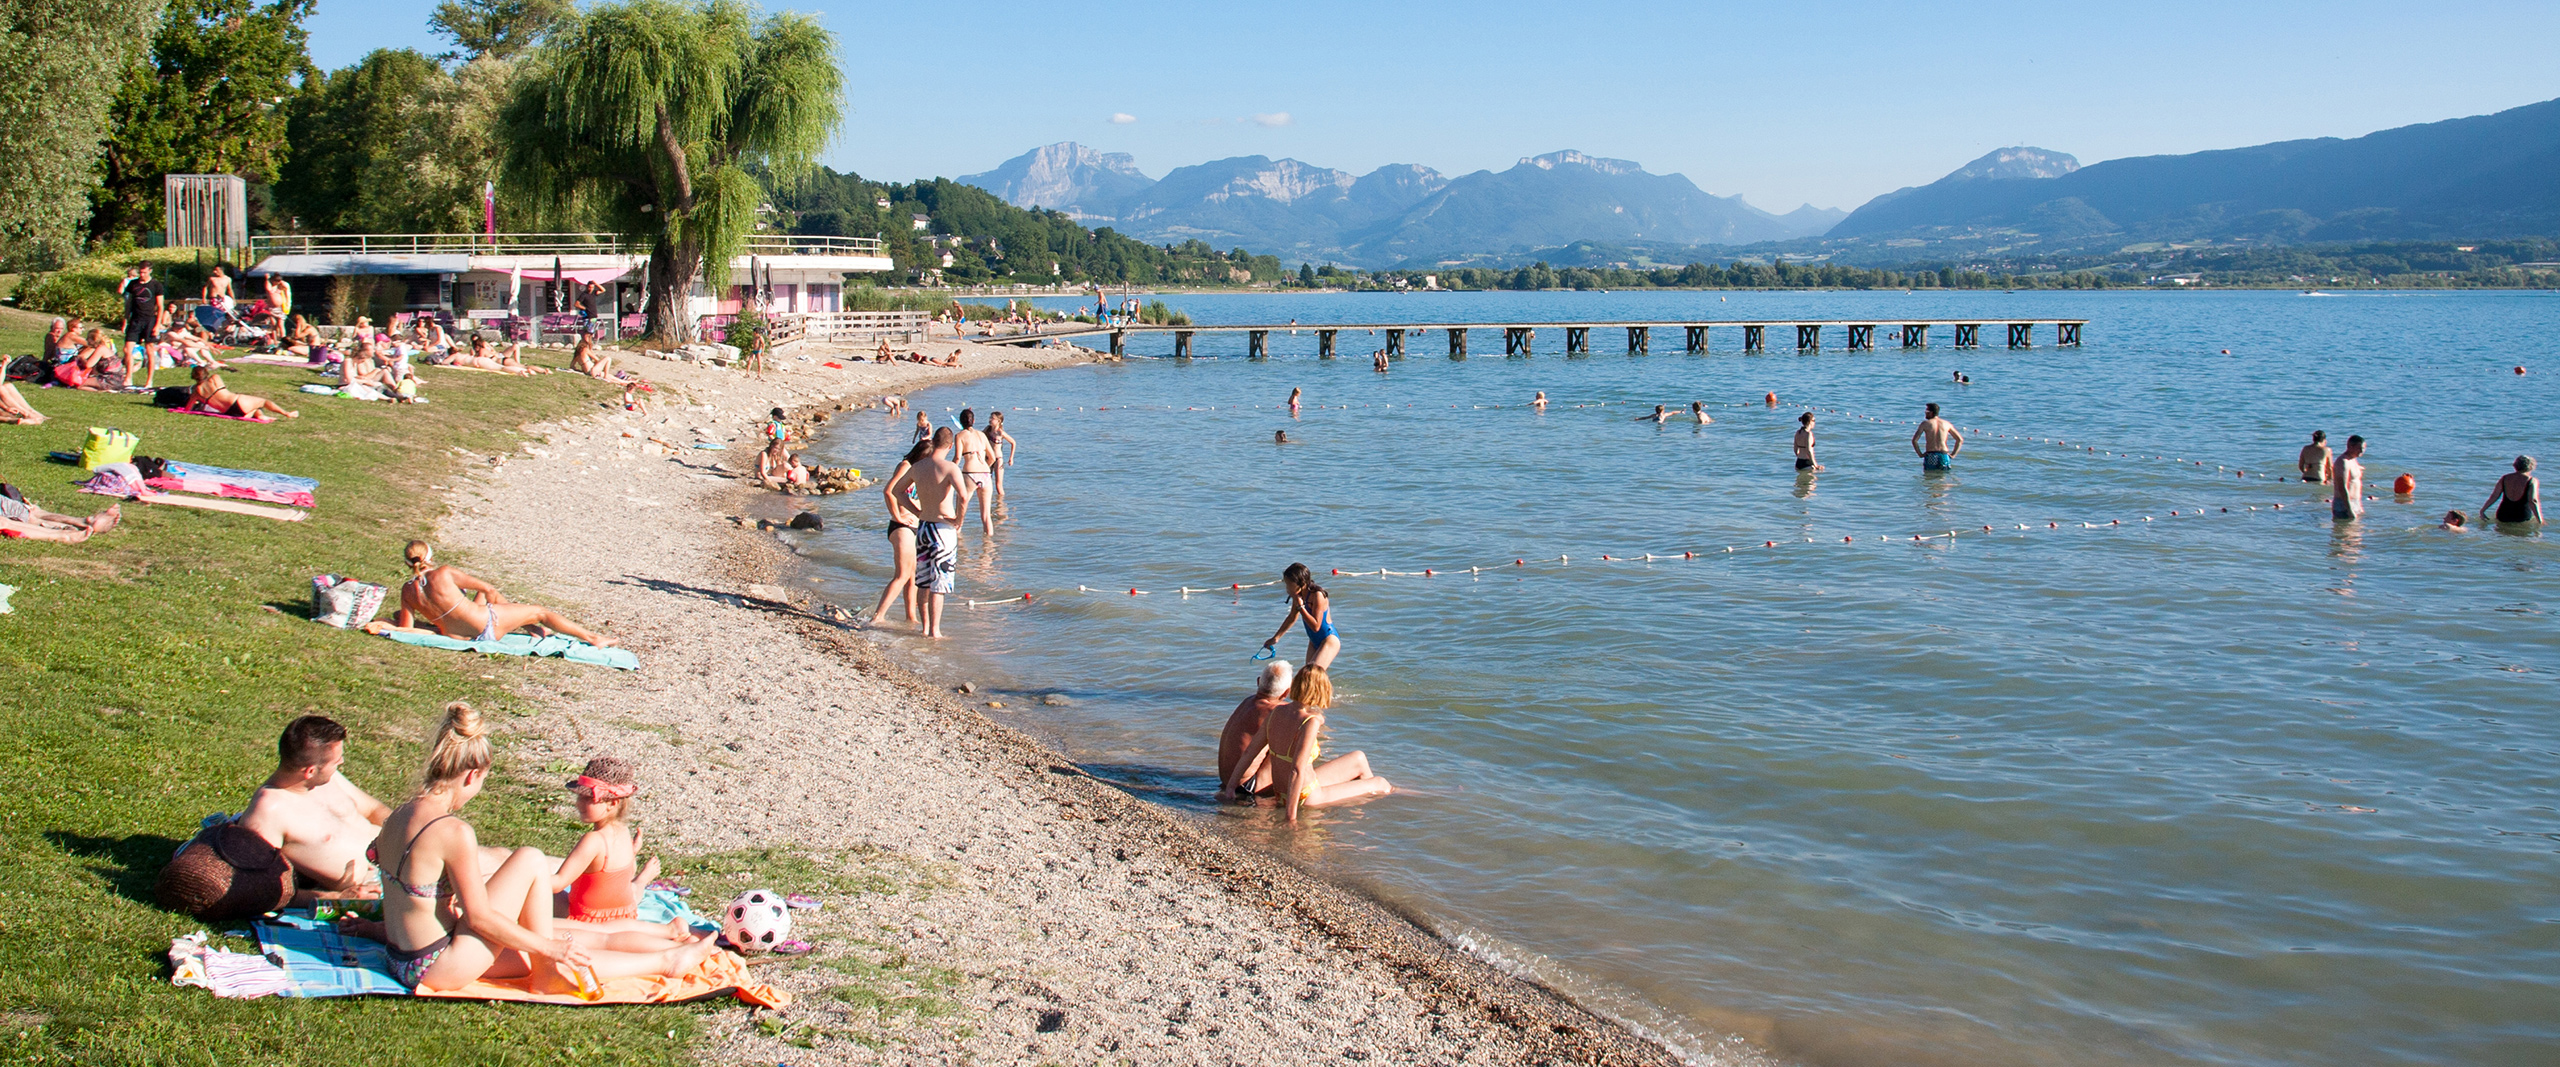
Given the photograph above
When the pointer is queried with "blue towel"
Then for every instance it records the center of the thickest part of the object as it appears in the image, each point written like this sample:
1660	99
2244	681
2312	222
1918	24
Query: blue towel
321	962
571	649
282	483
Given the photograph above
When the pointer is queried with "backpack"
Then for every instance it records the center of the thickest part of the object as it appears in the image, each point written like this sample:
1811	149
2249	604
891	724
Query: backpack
171	396
28	369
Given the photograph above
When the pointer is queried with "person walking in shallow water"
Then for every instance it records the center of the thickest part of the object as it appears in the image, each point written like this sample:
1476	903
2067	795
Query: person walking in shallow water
2517	497
2346	478
1310	606
1937	441
1804	444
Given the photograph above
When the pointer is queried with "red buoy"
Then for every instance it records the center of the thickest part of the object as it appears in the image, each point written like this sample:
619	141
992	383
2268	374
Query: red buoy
2404	484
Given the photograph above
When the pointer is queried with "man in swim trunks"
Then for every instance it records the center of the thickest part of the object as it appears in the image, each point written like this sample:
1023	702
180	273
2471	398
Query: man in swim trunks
2314	462
1804	444
2346	501
1244	728
978	462
941	499
314	815
1937	441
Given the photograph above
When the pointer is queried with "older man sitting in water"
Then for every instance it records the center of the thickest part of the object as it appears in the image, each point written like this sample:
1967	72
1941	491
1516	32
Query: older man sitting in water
1244	727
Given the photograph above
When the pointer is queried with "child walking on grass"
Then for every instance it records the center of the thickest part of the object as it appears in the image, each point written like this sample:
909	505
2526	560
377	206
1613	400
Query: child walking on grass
600	877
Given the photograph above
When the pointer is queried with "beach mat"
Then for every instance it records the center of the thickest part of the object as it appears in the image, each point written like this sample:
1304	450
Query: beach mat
321	962
571	649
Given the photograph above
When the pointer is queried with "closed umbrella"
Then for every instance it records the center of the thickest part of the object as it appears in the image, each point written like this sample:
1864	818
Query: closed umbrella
559	296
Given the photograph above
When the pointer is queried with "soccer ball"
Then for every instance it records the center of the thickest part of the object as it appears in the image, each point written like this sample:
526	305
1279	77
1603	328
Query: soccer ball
756	921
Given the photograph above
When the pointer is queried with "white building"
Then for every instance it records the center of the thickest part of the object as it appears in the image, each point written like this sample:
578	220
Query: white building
480	277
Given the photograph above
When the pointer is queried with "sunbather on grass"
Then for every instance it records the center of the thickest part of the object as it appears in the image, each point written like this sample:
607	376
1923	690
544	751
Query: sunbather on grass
436	600
20	518
214	396
591	361
484	356
14	408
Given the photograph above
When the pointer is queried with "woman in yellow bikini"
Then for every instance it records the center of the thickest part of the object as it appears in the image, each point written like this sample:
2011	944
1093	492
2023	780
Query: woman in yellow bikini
1294	736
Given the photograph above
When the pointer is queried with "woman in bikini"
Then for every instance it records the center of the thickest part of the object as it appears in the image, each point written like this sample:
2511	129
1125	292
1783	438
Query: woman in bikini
484	357
435	600
902	538
303	339
1005	446
591	361
448	924
1311	606
212	395
1293	736
2517	497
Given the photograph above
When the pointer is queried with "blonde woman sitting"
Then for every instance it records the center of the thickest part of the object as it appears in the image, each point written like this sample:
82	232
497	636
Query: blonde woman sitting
591	361
437	600
1293	738
449	923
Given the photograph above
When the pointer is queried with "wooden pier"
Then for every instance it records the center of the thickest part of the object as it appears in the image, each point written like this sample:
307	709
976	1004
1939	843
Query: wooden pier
1519	339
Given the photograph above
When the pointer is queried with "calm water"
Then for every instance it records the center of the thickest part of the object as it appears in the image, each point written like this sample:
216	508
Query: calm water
2244	788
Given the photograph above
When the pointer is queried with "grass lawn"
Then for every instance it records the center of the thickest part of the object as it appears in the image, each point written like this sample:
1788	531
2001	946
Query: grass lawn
146	682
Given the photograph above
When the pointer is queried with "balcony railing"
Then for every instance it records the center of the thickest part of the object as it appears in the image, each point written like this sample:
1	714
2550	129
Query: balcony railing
538	244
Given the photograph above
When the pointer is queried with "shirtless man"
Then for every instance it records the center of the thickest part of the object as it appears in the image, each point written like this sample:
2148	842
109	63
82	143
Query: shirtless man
977	458
941	500
217	289
21	518
1698	411
2346	474
437	595
2314	462
1937	441
1804	444
1244	727
320	821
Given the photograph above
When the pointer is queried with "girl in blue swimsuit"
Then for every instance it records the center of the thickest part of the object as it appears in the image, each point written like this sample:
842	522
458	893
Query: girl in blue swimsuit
1308	605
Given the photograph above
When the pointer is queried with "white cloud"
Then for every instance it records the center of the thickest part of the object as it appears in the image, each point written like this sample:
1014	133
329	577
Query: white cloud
1122	118
1276	118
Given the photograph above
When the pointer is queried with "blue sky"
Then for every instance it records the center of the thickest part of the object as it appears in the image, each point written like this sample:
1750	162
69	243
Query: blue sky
1786	103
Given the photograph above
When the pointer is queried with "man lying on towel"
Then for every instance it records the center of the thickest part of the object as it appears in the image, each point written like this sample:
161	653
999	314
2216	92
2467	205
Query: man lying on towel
440	596
319	820
20	518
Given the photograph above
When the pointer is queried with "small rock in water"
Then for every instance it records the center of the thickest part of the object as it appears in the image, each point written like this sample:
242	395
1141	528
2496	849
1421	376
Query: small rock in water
996	704
966	688
1056	700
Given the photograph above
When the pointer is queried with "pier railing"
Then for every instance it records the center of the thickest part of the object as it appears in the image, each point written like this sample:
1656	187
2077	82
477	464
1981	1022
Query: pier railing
538	244
838	327
1520	338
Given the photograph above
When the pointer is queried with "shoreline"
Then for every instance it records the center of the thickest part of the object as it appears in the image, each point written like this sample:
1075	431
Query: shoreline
1016	907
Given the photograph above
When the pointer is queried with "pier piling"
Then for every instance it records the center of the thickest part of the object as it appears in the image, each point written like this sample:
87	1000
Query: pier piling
1395	344
1257	344
1639	340
1968	335
1516	340
1577	340
1808	337
1697	340
1915	335
1862	338
1457	342
1324	344
1182	344
2022	335
1755	338
1119	342
2066	334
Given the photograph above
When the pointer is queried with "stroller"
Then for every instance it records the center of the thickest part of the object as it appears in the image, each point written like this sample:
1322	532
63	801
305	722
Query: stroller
226	329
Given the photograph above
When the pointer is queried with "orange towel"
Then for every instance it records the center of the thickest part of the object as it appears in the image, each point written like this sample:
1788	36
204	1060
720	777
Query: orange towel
722	972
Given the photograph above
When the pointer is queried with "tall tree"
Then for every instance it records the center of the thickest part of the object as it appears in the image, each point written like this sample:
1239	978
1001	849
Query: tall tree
497	29
646	117
60	66
341	126
208	101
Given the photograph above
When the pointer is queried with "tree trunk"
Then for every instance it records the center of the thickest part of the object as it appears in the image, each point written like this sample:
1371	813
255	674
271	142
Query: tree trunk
673	266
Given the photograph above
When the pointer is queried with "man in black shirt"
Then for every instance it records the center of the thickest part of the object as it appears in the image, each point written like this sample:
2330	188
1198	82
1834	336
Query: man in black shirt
144	302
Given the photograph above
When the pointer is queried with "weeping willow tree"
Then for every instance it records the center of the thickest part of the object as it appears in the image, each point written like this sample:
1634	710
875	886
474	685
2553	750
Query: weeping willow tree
650	118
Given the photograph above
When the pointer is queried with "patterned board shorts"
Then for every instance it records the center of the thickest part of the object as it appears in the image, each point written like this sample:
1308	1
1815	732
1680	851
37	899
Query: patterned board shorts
937	556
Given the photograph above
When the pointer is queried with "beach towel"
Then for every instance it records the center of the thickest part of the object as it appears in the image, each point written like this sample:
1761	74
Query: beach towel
575	651
133	489
218	415
268	480
318	961
211	487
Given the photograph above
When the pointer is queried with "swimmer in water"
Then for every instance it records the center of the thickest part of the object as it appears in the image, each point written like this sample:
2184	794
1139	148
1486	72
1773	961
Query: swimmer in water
1280	437
2346	477
1698	410
1962	380
1541	402
1660	415
1804	443
2517	497
2453	521
1293	403
2314	463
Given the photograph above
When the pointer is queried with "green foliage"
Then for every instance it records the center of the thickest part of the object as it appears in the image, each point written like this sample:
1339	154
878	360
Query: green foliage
1157	314
396	144
87	287
654	118
208	101
60	65
151	681
496	29
993	242
2521	263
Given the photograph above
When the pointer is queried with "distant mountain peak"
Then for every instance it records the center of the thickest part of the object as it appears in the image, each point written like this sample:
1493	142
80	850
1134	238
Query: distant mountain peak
2018	162
1066	175
1571	158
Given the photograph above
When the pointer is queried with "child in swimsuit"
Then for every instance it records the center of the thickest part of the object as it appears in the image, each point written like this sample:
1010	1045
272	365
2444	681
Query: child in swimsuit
600	875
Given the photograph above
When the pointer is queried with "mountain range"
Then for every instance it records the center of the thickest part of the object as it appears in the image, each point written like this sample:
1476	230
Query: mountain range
2487	176
1400	214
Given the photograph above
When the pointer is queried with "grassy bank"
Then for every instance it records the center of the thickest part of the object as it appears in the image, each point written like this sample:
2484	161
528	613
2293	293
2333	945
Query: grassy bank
148	679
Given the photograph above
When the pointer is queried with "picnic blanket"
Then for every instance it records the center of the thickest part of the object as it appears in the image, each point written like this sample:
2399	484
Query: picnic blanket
319	961
236	484
567	648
